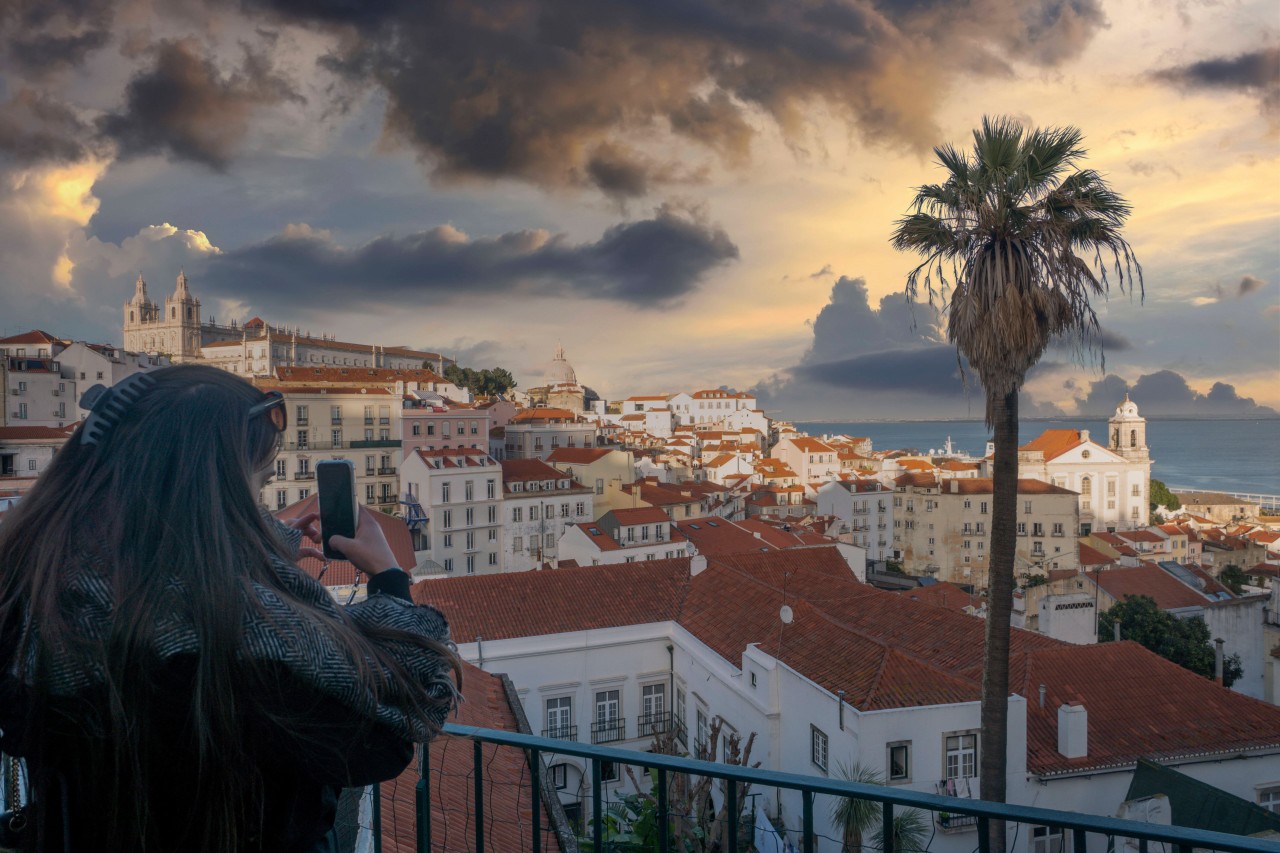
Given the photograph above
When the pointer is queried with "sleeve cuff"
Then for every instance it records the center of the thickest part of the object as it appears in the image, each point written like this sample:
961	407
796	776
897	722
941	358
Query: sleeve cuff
393	582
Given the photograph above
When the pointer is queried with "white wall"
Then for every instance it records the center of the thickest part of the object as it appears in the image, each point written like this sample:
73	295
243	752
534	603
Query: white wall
1239	624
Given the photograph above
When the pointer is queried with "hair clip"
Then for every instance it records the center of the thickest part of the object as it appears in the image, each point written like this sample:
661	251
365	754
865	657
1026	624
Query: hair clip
107	404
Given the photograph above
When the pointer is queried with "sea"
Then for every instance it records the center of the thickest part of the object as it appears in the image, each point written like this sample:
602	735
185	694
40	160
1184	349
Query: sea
1222	455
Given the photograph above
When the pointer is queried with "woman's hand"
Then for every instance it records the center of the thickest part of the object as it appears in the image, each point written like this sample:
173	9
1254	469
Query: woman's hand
310	528
368	551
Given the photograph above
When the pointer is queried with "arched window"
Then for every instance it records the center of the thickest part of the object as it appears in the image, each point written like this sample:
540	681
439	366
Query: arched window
173	313
1115	438
130	316
1085	485
1133	438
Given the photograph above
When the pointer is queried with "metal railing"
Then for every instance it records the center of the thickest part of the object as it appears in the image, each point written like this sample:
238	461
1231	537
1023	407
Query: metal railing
656	723
561	732
608	731
661	768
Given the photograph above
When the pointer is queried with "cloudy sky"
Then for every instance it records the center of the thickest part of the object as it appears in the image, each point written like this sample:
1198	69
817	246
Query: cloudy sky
687	193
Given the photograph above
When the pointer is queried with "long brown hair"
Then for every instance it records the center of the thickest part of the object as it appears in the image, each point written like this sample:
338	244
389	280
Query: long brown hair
165	501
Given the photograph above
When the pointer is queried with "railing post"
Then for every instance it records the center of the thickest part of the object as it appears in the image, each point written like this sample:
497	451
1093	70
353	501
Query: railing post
422	799
664	818
887	828
984	834
731	806
1080	840
376	793
1142	846
535	768
806	843
478	769
597	825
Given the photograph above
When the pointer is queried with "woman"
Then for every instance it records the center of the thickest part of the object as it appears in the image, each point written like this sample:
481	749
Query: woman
173	680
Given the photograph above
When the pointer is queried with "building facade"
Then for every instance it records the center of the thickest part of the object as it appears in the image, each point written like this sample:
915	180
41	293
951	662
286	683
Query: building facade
866	509
459	492
538	503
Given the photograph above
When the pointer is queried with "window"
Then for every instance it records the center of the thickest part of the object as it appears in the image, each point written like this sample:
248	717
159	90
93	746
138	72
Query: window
493	513
490	487
608	709
493	534
444	493
564	510
549	541
1111	488
1137	490
517	542
302	414
608	771
580	508
900	761
1022	528
448	563
493	558
303	494
961	755
447	540
1057	528
471	563
282	498
281	468
470	513
599	486
559	716
818	747
702	732
535	512
653	699
335	414
1026	507
417	428
471	540
982	507
368	493
336	437
1047	839
1269	798
560	776
31	464
446	518
469	491
517	513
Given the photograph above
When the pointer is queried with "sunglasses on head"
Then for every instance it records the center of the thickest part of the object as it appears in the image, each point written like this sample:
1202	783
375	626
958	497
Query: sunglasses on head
274	406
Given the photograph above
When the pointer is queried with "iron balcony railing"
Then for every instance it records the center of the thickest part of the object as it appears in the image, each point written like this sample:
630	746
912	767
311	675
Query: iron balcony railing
661	767
608	731
561	732
655	723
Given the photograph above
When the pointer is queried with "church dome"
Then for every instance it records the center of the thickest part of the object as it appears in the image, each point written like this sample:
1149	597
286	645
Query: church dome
561	371
1127	410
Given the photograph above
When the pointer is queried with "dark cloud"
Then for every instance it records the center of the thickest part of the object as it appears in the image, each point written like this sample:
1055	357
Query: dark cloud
38	36
847	325
544	91
1256	73
646	263
1250	284
932	370
36	128
1166	392
185	107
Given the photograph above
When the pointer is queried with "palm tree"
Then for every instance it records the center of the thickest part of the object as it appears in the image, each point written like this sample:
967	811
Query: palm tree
851	816
1016	242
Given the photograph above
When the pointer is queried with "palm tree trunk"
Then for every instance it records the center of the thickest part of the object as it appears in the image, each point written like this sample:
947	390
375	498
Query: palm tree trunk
995	672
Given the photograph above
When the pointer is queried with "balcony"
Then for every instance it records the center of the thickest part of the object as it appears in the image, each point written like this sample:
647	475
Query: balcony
648	725
304	475
462	808
388	471
608	731
302	422
561	733
305	446
374	442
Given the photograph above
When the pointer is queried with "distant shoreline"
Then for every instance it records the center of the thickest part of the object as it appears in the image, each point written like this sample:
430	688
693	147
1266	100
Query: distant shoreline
1027	420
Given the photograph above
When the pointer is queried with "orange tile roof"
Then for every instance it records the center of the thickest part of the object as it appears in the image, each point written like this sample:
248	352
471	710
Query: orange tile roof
544	413
892	651
1152	581
578	455
1090	556
1054	442
942	594
806	444
719	536
1139	705
509	797
339	375
640	515
35	336
524	470
36	433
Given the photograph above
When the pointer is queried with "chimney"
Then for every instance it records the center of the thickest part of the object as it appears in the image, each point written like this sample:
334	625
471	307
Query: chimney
757	535
1115	629
1042	691
1073	730
1217	659
1084	435
697	565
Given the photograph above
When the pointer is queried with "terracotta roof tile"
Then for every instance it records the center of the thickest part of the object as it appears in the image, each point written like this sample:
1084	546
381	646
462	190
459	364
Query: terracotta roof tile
578	455
1090	556
35	336
1054	442
1152	581
942	594
640	515
36	433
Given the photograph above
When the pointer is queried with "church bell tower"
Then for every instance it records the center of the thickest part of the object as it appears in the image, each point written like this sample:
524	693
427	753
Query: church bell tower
1127	432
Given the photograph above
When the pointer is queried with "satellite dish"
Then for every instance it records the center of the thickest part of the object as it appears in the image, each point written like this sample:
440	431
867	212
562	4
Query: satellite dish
786	614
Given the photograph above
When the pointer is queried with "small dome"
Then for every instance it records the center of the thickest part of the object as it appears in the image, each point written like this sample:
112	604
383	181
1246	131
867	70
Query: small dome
561	371
1127	409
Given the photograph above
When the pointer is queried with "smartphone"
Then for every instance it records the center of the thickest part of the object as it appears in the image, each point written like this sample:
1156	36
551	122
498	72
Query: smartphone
336	484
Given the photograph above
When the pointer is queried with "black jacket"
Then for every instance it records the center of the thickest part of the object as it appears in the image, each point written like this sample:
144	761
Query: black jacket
321	732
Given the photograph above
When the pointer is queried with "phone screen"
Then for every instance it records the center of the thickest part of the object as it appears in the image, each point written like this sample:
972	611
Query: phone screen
336	484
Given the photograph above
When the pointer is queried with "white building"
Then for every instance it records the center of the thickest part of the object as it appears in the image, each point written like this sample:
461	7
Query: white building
848	674
459	491
622	536
538	503
1114	482
812	460
90	364
25	451
254	348
709	409
537	433
866	508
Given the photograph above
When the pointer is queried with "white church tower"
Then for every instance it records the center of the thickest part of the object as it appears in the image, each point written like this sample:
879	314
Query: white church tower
1127	432
174	332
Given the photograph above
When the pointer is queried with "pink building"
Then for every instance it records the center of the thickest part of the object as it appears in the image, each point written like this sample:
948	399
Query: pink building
425	426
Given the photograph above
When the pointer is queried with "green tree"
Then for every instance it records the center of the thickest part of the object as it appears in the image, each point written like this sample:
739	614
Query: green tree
1186	642
1016	242
1233	578
855	817
1161	496
490	382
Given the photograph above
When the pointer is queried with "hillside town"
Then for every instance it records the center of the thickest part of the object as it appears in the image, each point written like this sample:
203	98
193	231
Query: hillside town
682	565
